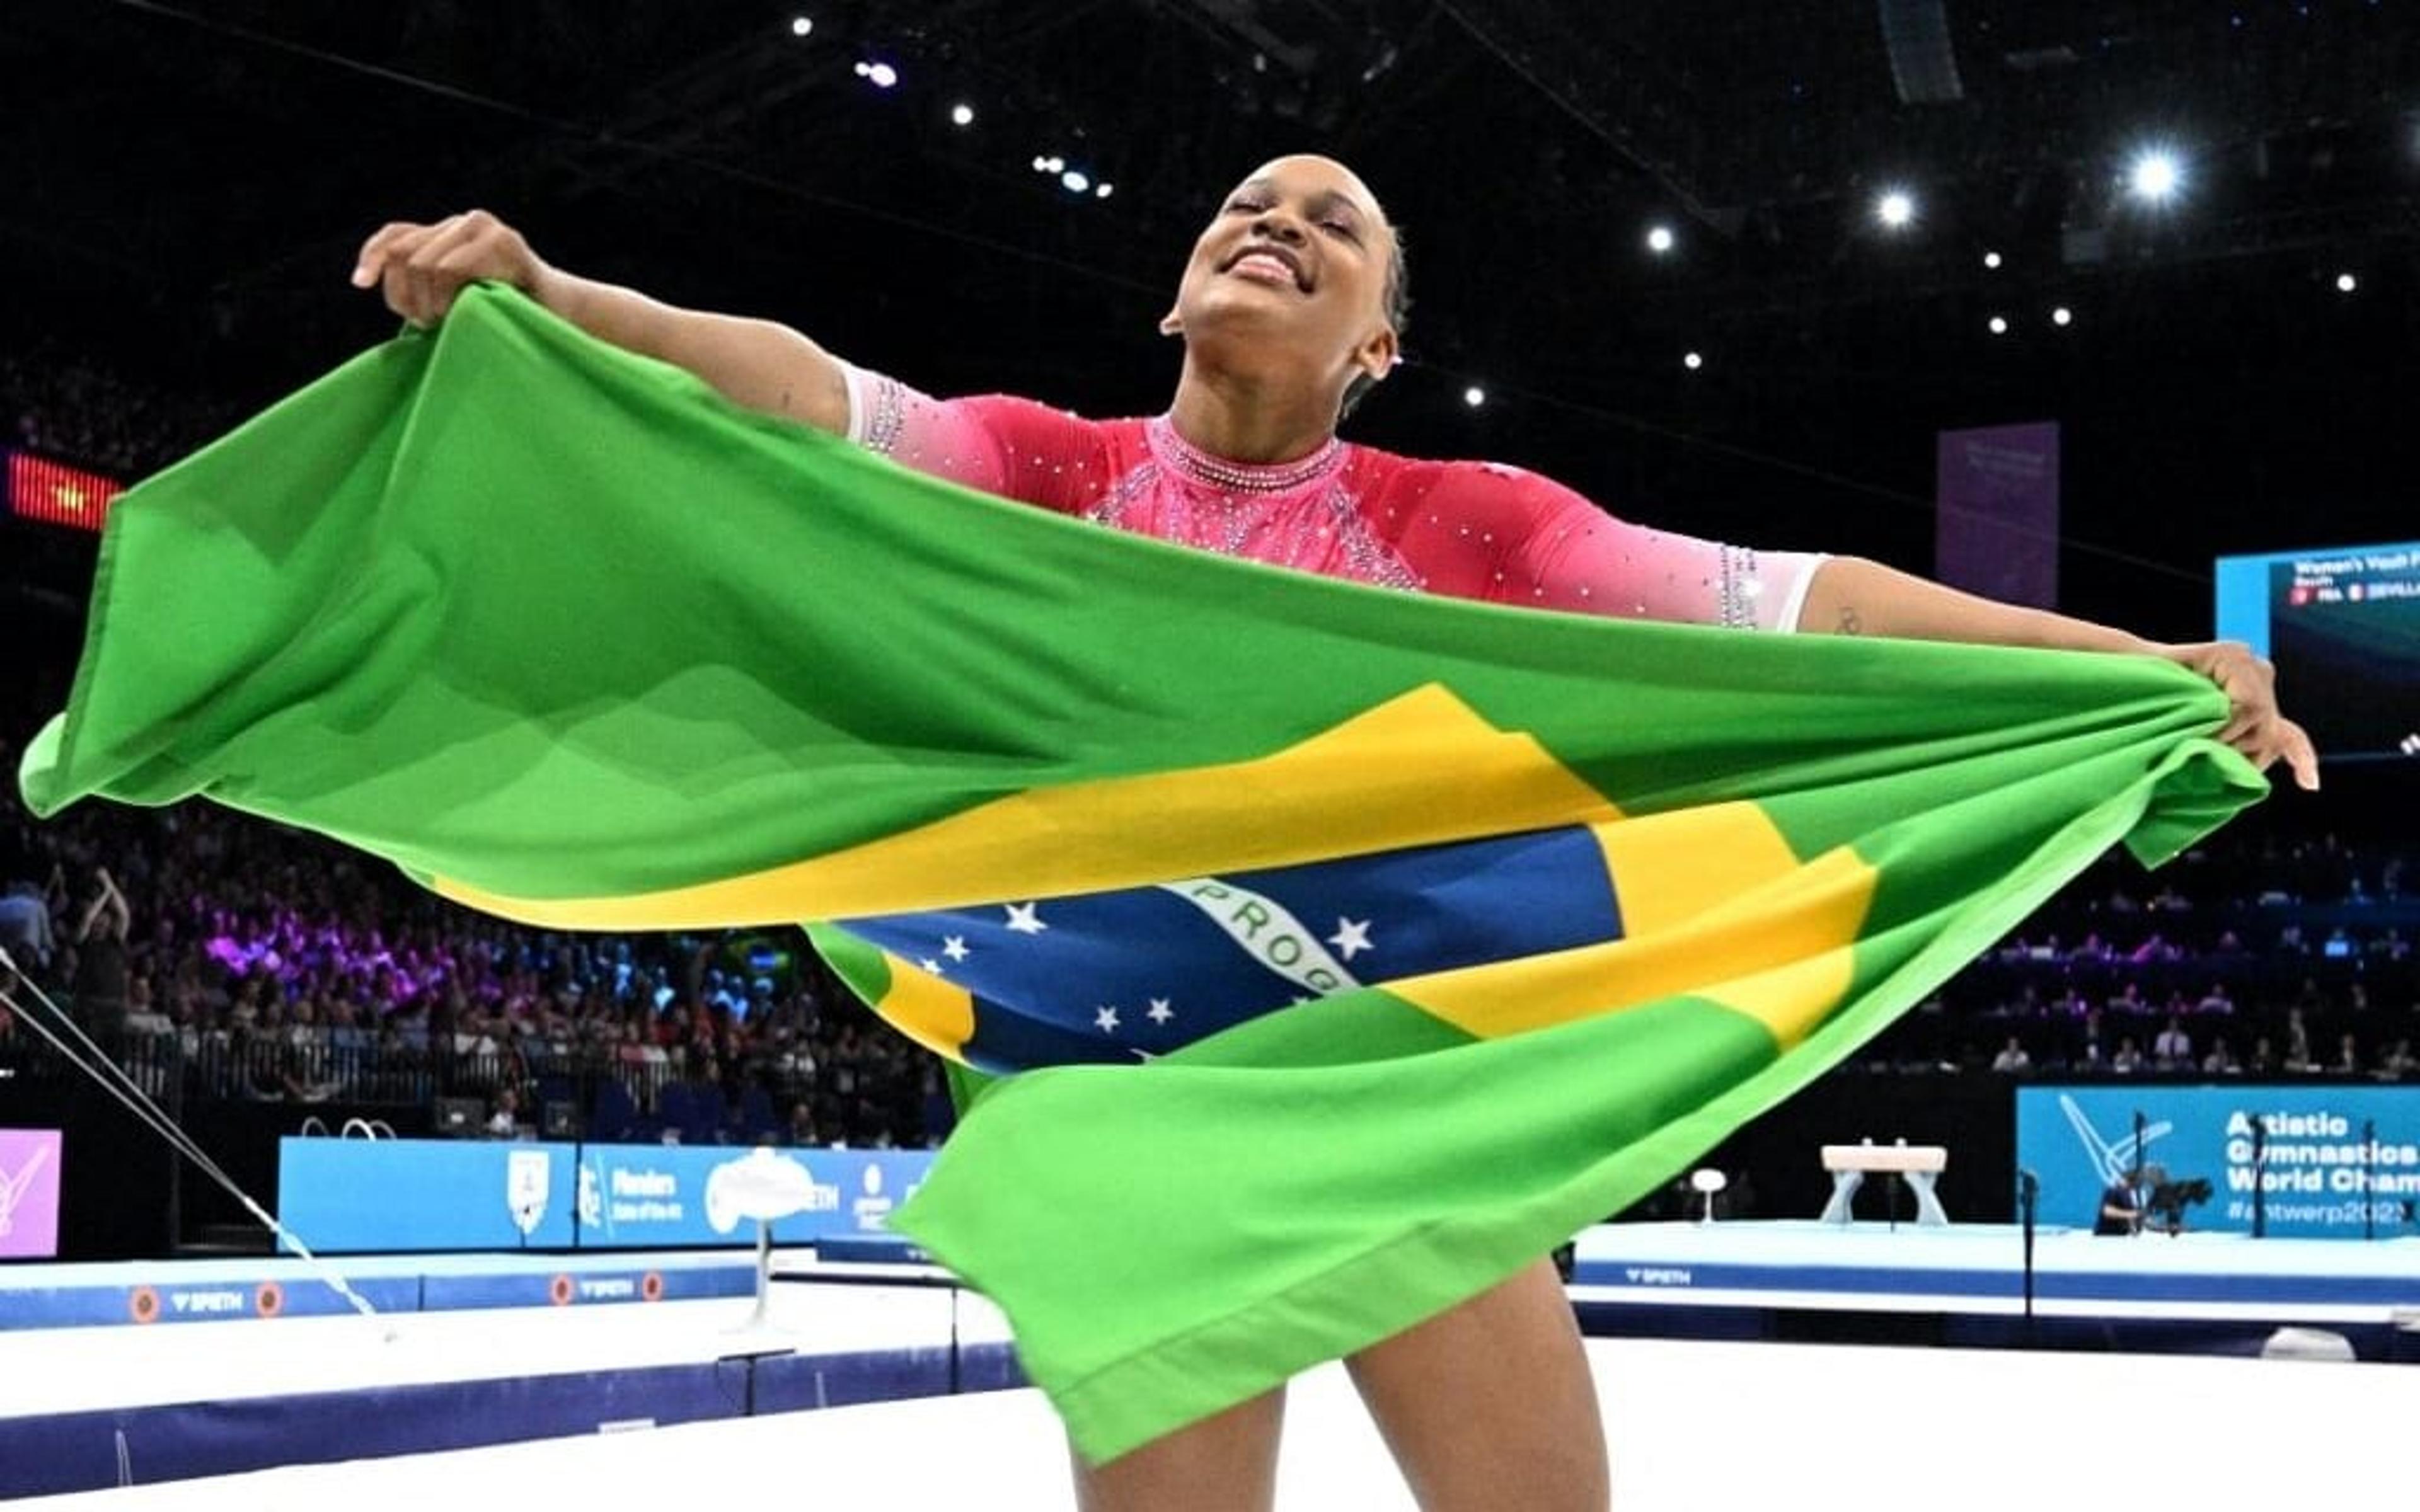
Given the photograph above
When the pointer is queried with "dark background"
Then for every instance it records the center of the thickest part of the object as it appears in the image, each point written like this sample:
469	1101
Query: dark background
184	186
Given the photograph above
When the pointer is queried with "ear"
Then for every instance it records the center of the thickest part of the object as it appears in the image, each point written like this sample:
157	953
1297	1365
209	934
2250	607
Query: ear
1171	326
1377	355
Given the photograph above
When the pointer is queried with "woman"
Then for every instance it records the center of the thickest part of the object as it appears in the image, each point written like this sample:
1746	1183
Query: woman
1290	307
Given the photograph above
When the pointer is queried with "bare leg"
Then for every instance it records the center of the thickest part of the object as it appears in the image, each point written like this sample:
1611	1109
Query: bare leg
1227	1464
1490	1405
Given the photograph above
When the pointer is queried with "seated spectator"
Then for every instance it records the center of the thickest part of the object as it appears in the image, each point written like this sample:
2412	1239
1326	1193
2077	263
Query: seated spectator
2128	1060
2221	1061
2348	1062
2012	1059
2173	1049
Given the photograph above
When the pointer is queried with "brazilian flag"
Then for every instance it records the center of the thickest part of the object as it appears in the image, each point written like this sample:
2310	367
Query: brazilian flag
1321	954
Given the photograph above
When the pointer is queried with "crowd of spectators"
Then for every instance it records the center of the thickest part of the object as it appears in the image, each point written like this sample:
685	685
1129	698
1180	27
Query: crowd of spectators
2263	953
222	956
64	406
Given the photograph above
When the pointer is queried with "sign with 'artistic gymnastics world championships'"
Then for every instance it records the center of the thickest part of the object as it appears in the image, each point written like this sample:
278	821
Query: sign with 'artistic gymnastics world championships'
2325	1161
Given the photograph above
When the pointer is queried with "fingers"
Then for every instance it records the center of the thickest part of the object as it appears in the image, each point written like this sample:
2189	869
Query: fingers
2302	757
422	269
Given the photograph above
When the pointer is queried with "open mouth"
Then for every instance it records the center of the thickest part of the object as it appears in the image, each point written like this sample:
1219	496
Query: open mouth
1269	265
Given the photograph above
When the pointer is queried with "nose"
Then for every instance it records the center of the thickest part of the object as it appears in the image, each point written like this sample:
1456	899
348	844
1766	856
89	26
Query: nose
1278	224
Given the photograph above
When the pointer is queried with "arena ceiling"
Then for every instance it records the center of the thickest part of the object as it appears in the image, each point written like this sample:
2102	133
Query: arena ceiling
185	183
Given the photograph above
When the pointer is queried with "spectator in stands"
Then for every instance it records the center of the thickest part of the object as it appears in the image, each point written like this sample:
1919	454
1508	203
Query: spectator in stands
99	983
2398	1062
2173	1049
2348	1062
505	1122
2215	1000
2012	1059
26	931
2221	1061
2298	1041
2129	1059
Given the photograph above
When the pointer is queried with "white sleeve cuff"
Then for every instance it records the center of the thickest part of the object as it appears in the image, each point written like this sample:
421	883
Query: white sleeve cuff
1796	603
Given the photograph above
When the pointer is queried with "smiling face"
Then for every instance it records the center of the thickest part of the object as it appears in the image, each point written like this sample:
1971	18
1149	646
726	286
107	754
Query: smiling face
1292	273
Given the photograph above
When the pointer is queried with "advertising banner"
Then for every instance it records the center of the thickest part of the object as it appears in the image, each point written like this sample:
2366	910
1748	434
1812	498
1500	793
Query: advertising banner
651	1195
2325	1161
408	1195
355	1194
29	1193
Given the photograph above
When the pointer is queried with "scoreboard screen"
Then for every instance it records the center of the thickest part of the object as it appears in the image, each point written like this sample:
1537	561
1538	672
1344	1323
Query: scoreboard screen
2343	626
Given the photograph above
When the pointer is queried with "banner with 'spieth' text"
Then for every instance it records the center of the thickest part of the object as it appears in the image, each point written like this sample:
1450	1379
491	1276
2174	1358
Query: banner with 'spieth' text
2326	1162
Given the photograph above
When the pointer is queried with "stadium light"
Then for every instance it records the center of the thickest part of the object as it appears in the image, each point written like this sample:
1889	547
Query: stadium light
2155	176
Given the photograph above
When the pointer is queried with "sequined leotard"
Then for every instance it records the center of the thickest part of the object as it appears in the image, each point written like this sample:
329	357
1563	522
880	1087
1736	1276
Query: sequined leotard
1469	529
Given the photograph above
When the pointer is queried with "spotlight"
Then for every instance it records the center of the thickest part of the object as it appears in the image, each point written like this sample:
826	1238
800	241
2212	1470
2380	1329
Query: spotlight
2155	175
1076	180
1896	209
1659	239
801	25
2062	316
880	75
1991	259
962	114
1054	164
1102	190
1474	396
2345	283
2000	325
1692	360
1042	166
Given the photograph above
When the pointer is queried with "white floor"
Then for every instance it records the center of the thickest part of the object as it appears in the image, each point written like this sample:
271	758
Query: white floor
71	1369
1695	1427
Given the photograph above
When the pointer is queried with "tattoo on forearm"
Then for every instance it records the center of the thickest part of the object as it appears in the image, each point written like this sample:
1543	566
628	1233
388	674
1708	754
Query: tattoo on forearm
1851	623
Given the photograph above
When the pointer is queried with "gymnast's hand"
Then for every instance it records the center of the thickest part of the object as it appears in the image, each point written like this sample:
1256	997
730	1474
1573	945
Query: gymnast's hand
2254	726
422	268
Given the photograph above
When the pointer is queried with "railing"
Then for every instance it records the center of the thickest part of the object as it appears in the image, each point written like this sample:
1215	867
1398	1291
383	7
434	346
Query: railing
569	1085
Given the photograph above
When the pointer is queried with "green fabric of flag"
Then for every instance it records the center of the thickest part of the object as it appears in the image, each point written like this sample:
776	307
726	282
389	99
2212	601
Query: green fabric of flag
565	636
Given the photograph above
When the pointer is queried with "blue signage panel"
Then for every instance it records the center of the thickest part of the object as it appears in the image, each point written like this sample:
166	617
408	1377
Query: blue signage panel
397	1194
340	1195
2323	1160
665	1196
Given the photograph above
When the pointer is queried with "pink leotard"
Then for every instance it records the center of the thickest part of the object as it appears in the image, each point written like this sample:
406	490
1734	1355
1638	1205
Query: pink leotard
1471	529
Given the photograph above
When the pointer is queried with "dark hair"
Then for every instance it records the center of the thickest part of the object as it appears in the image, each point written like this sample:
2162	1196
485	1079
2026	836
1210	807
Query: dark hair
1397	300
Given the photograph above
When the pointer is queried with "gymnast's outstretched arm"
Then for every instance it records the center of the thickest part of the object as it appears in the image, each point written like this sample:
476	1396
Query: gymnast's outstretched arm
762	364
1849	595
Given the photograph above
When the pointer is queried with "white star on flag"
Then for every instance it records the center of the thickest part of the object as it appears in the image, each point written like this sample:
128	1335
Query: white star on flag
930	965
1106	1019
954	947
1022	918
1161	1012
1352	937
